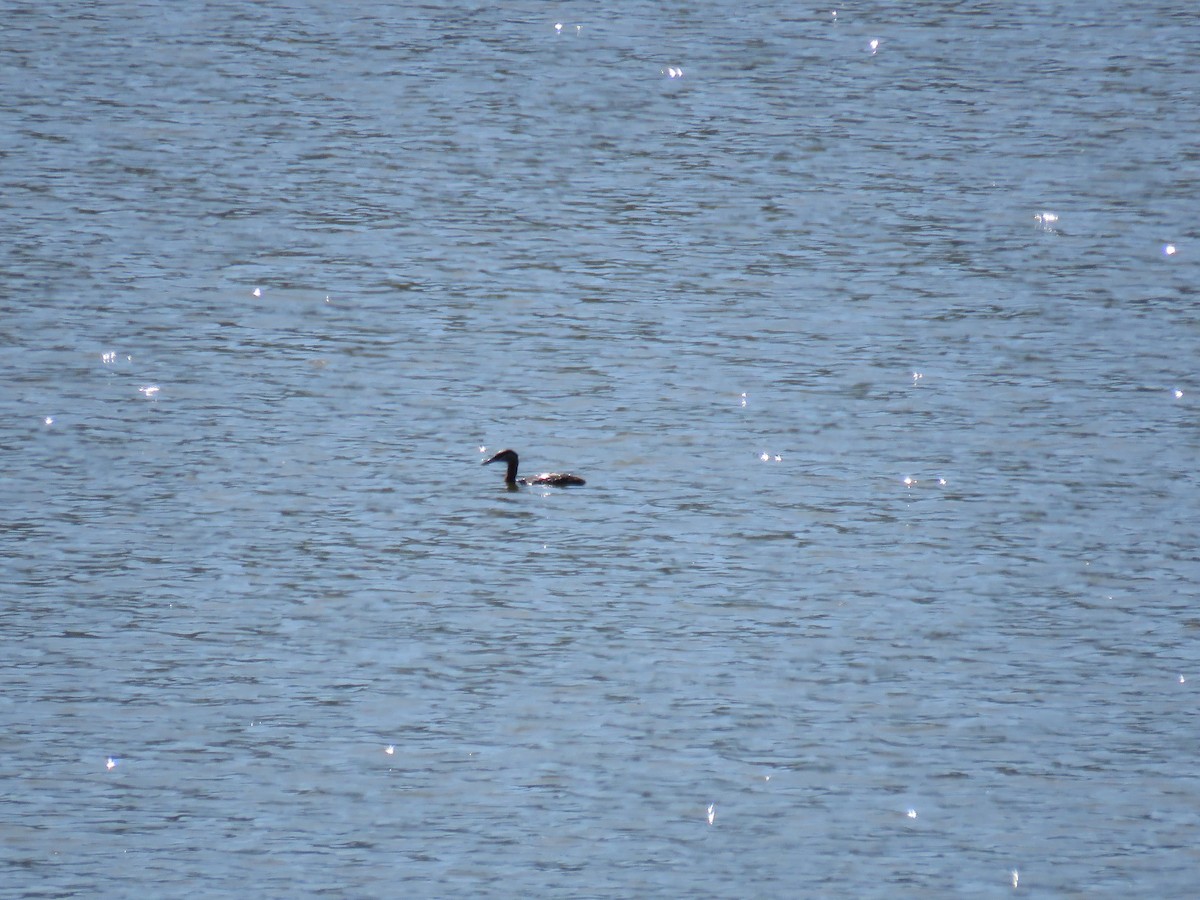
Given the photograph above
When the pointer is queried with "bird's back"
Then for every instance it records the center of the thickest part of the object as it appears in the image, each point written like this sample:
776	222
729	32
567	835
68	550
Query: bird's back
556	479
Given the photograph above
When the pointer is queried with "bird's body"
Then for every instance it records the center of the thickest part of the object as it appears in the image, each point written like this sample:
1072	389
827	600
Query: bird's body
548	479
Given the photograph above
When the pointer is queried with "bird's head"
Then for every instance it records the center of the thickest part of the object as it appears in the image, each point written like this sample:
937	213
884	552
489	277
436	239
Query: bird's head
503	456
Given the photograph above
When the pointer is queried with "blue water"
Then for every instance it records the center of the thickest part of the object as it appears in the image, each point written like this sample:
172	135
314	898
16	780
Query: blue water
879	359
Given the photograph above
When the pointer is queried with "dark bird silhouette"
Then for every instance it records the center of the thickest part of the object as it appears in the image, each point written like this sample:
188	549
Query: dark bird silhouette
551	479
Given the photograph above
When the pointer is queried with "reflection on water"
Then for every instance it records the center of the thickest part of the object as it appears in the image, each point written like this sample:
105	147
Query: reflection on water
872	335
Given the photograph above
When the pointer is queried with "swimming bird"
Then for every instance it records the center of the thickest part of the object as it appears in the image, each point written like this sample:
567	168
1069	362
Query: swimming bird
551	479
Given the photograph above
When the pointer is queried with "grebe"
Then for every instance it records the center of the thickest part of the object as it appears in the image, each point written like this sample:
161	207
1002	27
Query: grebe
552	479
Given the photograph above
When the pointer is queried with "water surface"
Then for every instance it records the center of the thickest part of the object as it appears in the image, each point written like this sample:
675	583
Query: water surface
879	360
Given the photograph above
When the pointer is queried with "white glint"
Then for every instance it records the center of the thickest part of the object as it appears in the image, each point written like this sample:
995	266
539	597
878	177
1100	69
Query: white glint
1016	877
743	399
257	292
389	749
909	481
1178	394
1182	680
110	763
149	390
911	813
873	46
1169	249
108	358
49	420
765	457
712	813
558	27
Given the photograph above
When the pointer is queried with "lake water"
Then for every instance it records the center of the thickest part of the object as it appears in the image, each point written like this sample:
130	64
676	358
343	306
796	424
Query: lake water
875	336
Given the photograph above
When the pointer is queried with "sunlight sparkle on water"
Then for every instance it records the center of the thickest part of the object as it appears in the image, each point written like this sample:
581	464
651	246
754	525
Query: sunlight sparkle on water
110	763
1016	876
49	420
1168	249
389	749
149	390
1046	220
911	813
873	46
109	357
1178	394
673	72
712	813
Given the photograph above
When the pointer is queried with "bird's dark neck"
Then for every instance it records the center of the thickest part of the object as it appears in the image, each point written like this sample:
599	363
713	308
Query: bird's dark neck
511	477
